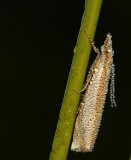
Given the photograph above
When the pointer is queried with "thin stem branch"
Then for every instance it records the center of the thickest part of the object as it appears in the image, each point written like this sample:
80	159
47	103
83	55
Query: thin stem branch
71	99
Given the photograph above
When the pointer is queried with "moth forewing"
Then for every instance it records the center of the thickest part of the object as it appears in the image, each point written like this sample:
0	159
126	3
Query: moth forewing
91	106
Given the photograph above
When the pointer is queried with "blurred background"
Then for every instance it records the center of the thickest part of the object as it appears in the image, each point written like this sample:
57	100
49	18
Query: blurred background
37	39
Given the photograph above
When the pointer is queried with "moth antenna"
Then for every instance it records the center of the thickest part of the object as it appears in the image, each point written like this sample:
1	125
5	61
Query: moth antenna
112	86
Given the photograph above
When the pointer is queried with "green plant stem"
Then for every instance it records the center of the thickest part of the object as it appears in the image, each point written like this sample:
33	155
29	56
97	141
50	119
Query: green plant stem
71	99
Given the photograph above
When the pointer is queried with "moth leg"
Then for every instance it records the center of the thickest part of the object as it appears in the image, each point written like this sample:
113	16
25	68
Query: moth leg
89	78
80	106
90	75
93	46
85	86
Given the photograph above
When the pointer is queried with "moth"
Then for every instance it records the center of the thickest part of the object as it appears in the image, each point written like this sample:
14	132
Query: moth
91	107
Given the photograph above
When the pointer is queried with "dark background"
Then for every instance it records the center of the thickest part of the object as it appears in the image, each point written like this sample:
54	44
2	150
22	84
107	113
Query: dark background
36	50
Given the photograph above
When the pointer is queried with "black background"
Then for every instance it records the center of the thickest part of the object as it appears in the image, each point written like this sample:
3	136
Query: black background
36	50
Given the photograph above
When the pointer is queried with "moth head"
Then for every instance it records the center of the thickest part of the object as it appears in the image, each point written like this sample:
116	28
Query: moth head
107	47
